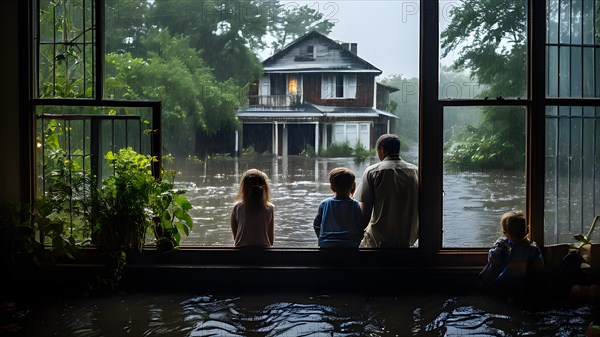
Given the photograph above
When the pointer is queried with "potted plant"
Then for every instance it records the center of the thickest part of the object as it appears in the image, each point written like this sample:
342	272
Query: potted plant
129	204
170	214
584	244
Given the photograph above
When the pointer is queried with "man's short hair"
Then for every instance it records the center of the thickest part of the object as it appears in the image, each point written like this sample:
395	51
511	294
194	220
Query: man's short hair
390	143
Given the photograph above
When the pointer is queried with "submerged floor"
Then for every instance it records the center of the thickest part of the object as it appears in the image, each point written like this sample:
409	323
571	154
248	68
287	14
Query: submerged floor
417	314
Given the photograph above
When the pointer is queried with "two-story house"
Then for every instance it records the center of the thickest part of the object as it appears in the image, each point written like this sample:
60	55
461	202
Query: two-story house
315	92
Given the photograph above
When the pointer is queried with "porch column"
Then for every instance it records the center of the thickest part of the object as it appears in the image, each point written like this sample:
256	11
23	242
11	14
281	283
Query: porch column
236	147
240	140
324	136
317	138
275	139
284	140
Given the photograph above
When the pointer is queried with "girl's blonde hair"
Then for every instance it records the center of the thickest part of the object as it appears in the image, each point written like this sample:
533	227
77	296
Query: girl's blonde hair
254	190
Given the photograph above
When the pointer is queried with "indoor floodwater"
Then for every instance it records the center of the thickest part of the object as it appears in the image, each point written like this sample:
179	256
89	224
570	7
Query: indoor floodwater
304	315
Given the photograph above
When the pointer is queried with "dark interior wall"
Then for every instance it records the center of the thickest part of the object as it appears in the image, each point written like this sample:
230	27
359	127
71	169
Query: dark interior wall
10	151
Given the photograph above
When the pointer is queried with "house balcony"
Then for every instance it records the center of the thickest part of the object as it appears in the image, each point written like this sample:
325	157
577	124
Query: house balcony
275	101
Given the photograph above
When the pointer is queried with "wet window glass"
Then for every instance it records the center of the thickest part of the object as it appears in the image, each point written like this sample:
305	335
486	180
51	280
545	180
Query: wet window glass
484	172
291	88
483	54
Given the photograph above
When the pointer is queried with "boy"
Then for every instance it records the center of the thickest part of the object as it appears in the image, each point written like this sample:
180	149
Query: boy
339	221
513	257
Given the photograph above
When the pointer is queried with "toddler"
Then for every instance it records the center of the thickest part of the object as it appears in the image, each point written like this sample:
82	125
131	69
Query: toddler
252	214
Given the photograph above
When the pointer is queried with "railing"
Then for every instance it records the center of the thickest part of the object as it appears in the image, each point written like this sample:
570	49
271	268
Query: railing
72	139
275	101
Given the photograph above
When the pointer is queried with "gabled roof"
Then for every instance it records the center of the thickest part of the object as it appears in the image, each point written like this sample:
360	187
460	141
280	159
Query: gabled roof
330	56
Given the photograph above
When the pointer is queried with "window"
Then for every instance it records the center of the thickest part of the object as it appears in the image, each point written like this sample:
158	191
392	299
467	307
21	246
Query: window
292	85
200	83
352	134
482	81
338	86
572	185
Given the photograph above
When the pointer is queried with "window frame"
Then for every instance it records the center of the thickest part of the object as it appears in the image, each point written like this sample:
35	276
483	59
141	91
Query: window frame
430	252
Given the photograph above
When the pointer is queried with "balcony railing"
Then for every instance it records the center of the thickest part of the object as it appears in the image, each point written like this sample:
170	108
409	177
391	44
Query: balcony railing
275	101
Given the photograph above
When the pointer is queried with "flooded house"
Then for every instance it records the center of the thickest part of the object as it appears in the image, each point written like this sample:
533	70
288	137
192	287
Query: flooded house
315	92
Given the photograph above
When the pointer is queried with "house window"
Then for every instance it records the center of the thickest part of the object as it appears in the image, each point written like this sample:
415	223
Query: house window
292	85
338	86
351	133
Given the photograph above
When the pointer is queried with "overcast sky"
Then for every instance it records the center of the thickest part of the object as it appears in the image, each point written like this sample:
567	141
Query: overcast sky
386	31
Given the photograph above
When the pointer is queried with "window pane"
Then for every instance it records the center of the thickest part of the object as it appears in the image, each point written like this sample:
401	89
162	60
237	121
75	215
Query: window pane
484	172
222	72
66	49
483	54
573	68
572	172
71	145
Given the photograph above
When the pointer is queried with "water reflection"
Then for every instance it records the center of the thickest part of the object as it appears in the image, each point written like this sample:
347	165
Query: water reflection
300	315
473	201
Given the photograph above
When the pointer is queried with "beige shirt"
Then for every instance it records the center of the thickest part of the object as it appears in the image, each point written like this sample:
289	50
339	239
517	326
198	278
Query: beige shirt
252	228
391	189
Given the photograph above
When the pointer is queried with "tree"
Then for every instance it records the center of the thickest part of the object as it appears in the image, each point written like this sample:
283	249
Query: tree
404	103
174	73
490	36
292	21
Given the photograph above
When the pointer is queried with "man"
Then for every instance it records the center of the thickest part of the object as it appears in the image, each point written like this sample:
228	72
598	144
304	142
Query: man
389	192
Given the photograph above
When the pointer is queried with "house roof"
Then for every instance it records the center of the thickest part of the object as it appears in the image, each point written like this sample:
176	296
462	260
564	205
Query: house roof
388	88
312	111
329	56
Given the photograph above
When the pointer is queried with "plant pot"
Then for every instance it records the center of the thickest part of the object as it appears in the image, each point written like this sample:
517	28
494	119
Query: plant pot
590	253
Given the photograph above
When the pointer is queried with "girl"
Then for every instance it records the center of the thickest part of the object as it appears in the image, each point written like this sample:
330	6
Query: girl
252	215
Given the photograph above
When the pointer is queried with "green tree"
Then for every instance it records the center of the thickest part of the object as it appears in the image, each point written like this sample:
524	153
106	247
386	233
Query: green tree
490	37
174	73
405	105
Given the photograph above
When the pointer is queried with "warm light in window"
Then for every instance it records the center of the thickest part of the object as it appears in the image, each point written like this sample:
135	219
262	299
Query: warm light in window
293	86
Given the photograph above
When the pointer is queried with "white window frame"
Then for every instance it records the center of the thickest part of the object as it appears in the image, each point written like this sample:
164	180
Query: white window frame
328	86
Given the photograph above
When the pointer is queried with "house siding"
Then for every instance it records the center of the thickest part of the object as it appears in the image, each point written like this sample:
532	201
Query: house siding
364	92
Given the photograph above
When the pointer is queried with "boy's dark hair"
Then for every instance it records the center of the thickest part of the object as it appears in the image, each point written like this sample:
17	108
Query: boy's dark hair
389	142
515	224
341	180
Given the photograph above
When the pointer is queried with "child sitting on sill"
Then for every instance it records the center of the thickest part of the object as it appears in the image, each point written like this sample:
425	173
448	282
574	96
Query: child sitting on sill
513	258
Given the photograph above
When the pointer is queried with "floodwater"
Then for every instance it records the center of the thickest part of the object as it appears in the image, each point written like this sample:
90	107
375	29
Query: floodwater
303	315
473	201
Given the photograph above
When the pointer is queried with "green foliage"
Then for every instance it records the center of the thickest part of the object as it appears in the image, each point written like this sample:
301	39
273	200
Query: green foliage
19	249
337	150
132	202
361	153
170	215
308	151
60	213
490	145
63	71
174	72
491	38
405	104
118	214
249	151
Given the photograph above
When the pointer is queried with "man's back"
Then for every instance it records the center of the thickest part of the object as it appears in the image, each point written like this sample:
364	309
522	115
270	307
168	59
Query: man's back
391	188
